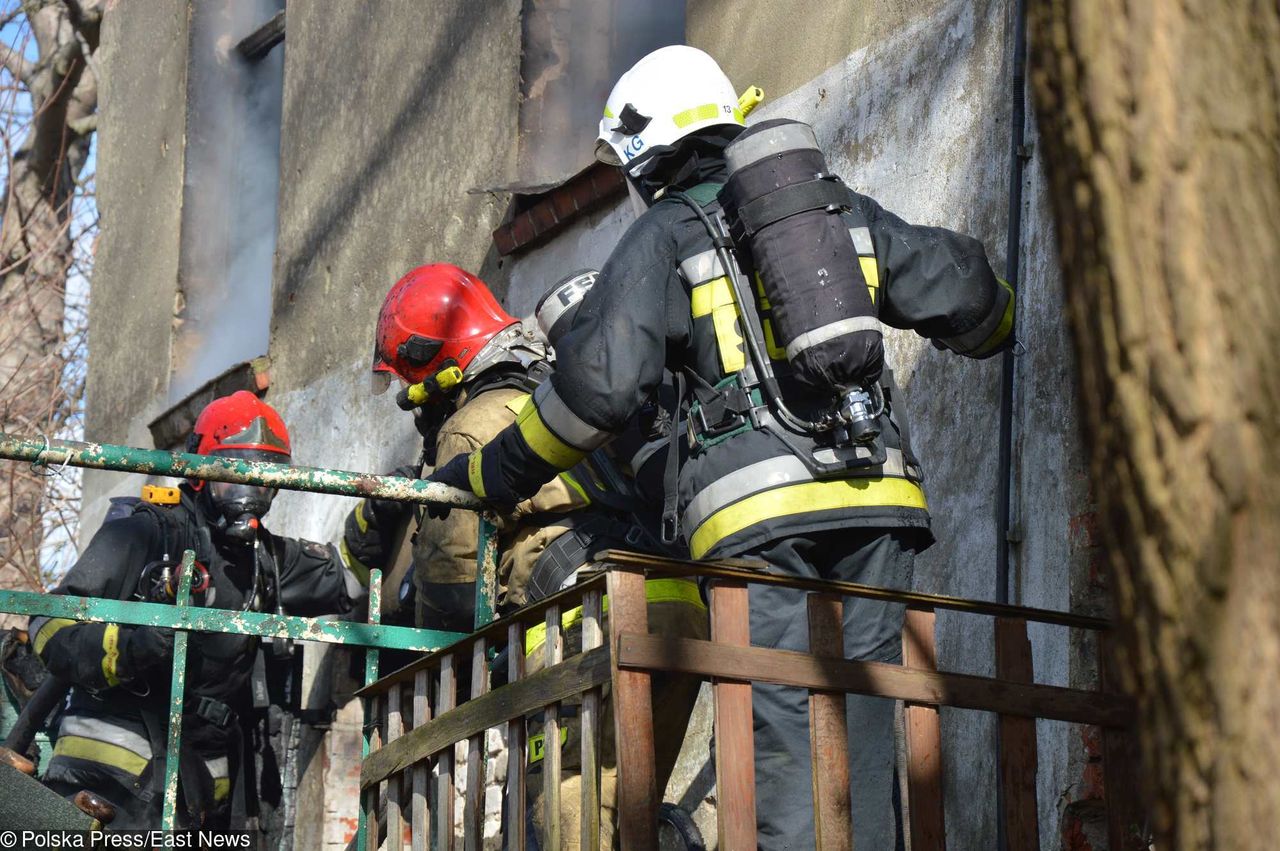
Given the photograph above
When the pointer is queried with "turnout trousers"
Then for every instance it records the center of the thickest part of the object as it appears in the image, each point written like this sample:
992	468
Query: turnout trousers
872	631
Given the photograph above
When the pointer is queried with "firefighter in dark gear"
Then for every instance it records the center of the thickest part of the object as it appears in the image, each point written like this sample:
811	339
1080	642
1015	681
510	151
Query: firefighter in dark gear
112	737
752	488
441	333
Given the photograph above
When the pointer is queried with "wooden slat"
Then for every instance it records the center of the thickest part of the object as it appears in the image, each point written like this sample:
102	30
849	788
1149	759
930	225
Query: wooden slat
1018	759
691	656
516	745
829	732
372	825
473	809
735	743
633	720
420	818
493	633
589	717
445	703
924	740
571	677
395	813
553	650
1121	783
730	570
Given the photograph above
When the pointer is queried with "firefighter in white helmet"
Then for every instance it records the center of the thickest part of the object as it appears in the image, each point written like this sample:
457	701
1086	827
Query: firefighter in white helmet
777	471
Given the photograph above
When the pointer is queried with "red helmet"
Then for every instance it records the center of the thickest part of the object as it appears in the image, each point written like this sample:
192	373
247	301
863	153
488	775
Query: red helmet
433	315
240	422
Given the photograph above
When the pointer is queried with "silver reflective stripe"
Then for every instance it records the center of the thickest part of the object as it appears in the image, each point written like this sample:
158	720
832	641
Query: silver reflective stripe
767	143
972	339
567	425
830	332
862	241
701	268
218	768
772	473
104	731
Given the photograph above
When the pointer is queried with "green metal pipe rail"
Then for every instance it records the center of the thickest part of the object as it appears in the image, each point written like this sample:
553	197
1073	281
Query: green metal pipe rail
156	462
184	618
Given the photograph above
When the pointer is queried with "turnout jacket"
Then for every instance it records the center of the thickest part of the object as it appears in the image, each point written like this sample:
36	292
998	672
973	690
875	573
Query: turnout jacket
118	707
663	301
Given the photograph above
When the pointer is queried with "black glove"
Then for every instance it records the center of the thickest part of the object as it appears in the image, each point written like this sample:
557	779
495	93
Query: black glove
146	648
388	514
453	474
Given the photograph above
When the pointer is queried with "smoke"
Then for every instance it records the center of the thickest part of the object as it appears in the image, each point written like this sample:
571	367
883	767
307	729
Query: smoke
230	195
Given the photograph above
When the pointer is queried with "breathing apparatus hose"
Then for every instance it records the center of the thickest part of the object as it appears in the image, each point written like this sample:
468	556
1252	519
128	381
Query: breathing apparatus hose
752	334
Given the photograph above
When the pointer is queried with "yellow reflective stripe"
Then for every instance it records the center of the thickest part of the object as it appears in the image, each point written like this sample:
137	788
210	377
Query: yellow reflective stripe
776	352
1001	333
111	653
358	568
78	747
49	630
608	113
221	788
475	473
544	442
517	404
361	523
802	499
655	591
706	112
537	744
716	298
871	272
577	488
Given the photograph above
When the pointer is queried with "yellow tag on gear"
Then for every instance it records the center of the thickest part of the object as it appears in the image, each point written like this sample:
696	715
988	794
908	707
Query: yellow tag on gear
161	495
450	376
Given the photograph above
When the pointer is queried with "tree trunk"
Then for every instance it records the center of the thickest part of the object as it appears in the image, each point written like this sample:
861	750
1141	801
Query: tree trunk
1161	137
35	255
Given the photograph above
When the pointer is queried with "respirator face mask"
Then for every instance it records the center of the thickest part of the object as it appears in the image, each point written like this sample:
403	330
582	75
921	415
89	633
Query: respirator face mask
242	507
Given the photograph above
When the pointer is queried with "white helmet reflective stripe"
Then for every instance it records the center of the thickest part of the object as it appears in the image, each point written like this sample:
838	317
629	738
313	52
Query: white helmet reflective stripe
669	94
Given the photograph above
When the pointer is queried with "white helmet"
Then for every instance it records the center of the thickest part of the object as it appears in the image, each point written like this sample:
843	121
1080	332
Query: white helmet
669	94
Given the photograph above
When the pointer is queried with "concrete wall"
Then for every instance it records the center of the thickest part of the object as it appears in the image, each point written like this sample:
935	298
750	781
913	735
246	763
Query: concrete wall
141	143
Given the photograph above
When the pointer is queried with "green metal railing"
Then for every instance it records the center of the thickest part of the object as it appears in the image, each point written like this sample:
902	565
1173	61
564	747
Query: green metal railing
184	618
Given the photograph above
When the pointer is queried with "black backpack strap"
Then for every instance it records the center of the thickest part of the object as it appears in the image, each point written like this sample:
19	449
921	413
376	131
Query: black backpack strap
670	532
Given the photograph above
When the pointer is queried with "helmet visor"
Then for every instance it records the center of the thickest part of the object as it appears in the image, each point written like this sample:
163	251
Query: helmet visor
606	154
379	381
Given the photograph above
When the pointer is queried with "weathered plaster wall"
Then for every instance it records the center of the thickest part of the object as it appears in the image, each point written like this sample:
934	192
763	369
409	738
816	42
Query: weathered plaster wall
141	130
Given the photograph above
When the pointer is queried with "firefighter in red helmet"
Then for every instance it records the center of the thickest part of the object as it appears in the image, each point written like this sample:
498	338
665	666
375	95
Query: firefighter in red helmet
442	334
111	738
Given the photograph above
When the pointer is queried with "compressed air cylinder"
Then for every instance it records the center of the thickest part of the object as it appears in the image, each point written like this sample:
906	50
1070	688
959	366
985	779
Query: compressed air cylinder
783	207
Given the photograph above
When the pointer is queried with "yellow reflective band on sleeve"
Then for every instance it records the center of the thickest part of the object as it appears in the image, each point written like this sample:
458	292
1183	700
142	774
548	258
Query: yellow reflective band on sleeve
1001	333
716	298
517	404
706	112
111	653
78	747
221	788
50	628
358	568
475	472
544	442
538	742
574	486
655	591
802	499
870	272
361	523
